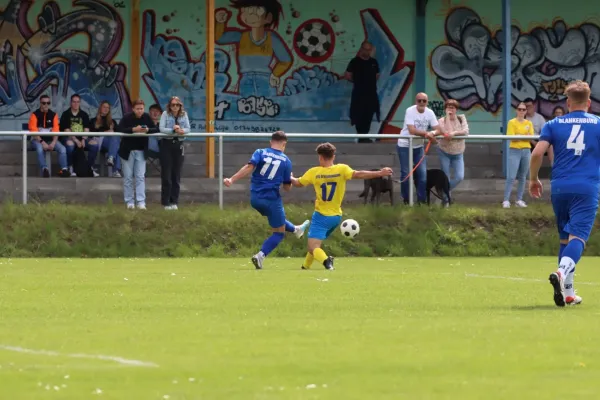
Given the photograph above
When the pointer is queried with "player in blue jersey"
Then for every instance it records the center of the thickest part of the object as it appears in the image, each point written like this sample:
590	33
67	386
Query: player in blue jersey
270	168
575	138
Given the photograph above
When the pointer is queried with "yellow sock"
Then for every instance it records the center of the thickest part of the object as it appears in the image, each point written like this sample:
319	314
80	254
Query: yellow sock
319	255
308	260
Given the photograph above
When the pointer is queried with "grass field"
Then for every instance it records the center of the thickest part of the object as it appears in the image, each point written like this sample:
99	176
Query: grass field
399	328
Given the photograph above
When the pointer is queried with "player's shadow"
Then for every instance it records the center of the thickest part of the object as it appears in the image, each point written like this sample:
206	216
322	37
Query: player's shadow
533	307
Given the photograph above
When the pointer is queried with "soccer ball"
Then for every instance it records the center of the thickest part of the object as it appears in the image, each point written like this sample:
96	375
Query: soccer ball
350	228
314	40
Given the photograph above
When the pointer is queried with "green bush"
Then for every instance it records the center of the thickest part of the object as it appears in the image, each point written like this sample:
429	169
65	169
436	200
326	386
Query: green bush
58	230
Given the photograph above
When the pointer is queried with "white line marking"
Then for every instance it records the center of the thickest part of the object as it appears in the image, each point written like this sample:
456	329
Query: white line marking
514	278
119	360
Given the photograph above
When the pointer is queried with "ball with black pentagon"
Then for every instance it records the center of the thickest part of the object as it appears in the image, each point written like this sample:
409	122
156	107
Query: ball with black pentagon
350	228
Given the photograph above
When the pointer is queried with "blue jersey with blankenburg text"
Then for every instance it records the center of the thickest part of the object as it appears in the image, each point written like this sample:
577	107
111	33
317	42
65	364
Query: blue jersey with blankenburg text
575	138
271	169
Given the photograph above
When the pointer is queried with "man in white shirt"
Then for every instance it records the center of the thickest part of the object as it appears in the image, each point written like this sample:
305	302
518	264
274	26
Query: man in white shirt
538	122
419	120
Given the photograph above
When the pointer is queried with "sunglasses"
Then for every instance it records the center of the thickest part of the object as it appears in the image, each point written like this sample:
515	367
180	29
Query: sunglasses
421	101
175	105
521	109
45	103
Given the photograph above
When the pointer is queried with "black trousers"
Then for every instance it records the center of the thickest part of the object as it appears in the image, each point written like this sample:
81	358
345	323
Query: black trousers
171	162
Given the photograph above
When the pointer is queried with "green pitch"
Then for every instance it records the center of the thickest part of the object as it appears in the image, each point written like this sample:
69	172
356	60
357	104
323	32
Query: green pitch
372	329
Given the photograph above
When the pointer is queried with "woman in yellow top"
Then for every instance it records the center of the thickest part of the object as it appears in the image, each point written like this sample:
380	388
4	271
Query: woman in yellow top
518	156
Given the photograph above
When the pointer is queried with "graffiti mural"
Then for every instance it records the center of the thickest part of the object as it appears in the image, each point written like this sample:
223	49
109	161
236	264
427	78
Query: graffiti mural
36	59
469	67
268	79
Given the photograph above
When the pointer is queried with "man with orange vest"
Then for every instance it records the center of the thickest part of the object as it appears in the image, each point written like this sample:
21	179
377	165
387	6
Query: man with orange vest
46	120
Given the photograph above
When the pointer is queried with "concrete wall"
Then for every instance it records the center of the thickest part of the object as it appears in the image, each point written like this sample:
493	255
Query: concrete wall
63	47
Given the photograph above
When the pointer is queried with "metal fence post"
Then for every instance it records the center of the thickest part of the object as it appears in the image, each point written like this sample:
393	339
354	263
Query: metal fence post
221	171
24	172
411	200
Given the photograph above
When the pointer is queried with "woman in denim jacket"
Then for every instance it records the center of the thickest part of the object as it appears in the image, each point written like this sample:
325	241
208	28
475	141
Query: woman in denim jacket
174	121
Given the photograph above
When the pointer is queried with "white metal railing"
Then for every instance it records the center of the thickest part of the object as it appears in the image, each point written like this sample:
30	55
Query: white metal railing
222	135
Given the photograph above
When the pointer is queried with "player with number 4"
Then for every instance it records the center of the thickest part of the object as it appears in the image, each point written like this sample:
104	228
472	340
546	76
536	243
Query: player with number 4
270	168
329	181
575	138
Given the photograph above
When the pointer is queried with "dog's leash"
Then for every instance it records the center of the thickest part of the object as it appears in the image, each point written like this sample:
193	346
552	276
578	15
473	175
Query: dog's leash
419	163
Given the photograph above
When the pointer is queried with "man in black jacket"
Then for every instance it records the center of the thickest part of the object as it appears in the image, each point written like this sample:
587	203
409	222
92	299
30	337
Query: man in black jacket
133	154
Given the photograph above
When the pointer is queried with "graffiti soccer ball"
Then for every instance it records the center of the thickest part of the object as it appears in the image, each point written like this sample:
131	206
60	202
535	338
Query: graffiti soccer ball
314	40
350	228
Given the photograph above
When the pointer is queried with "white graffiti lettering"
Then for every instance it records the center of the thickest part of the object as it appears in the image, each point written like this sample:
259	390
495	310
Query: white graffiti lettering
260	106
220	109
469	67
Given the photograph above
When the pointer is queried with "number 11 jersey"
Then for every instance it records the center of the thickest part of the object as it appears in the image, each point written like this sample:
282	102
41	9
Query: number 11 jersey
330	187
272	168
575	138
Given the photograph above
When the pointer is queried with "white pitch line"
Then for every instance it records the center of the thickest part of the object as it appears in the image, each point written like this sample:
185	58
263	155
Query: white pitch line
514	278
119	360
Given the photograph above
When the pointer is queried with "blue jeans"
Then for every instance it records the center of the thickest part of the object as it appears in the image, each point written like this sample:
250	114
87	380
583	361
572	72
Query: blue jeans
452	163
517	168
420	174
256	84
41	154
92	150
134	168
111	145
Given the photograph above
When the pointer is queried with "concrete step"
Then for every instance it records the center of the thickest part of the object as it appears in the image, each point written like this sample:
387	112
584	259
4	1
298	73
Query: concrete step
99	190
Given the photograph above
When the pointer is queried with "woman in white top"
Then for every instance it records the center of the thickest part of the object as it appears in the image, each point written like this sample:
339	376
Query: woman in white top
451	150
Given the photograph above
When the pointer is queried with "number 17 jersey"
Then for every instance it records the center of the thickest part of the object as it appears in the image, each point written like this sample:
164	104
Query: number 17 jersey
272	168
575	138
330	187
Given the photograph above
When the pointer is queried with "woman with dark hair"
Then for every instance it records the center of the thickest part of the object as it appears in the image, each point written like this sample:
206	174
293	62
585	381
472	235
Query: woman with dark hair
174	122
558	112
104	122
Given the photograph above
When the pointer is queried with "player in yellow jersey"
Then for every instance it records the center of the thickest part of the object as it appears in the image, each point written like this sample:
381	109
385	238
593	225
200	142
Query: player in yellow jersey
329	181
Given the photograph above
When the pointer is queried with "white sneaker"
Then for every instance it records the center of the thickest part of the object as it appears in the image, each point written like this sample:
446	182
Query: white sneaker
257	260
506	204
168	208
116	174
174	207
521	204
72	172
573	300
141	206
130	206
301	229
95	173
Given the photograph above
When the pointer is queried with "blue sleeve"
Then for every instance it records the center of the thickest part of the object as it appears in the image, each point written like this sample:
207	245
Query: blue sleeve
229	37
256	157
282	54
287	173
546	134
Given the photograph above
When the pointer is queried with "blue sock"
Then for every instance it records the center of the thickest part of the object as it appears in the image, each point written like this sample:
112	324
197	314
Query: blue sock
289	227
560	251
571	256
272	242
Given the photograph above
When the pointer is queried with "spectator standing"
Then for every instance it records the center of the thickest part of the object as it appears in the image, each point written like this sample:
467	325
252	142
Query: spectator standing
46	120
418	120
451	150
104	122
558	112
155	111
175	122
519	154
363	72
538	122
78	121
133	154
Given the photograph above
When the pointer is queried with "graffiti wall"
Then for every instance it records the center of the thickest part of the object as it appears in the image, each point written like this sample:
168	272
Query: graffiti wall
279	65
60	48
547	52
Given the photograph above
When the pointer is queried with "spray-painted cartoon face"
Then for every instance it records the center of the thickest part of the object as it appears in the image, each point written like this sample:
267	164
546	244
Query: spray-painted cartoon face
255	17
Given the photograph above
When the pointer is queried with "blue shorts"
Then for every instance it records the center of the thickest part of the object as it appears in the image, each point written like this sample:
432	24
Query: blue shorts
575	214
322	226
270	208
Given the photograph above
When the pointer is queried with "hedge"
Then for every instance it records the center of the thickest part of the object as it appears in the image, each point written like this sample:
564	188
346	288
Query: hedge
107	231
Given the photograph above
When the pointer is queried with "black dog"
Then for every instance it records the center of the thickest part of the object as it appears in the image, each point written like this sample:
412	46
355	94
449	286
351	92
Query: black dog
378	186
437	179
